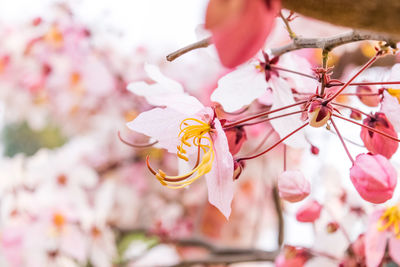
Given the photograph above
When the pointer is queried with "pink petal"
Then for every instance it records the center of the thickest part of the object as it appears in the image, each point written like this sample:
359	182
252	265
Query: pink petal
375	241
283	126
161	124
302	84
239	88
293	186
394	249
240	36
220	178
165	92
391	108
182	103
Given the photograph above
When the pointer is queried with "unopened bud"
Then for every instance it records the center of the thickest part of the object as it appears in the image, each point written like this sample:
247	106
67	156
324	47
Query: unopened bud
237	169
367	99
314	150
332	227
236	137
355	115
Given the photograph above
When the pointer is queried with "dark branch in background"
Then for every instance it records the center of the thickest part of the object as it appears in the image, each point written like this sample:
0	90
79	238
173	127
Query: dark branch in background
279	214
372	15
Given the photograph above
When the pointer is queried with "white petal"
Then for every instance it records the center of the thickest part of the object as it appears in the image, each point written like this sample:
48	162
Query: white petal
391	108
283	126
239	88
160	124
220	178
156	75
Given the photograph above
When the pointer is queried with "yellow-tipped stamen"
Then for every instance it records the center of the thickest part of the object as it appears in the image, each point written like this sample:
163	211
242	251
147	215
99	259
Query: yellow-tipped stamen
196	131
394	92
390	220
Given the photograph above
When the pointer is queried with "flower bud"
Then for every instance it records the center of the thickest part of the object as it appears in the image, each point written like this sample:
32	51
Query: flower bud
314	150
236	137
375	142
237	169
332	227
319	113
373	177
292	257
355	115
370	101
292	186
309	212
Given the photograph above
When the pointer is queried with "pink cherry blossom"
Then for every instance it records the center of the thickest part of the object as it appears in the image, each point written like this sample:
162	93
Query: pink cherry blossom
292	186
309	212
383	229
373	177
240	28
377	143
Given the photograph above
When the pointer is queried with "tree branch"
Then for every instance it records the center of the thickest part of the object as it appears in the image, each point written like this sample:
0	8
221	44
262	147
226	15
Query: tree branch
200	44
229	259
371	15
329	43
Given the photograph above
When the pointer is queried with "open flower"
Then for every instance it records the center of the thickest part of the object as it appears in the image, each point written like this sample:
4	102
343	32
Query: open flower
191	133
383	228
253	81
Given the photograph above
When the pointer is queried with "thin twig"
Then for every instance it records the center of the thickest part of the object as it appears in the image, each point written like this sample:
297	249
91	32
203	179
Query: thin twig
329	43
200	44
279	213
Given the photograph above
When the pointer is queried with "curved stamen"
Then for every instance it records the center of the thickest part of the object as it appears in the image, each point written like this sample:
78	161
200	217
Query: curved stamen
194	133
135	145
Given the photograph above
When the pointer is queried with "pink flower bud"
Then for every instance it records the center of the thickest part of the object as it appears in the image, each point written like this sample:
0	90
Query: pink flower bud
309	212
370	101
292	257
292	186
237	169
355	115
332	227
314	150
236	137
373	177
375	142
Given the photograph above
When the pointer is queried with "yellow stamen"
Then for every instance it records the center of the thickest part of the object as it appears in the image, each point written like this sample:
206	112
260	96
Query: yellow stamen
395	93
390	220
196	131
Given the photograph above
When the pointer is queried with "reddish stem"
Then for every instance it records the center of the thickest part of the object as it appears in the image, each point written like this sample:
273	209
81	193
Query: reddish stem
369	63
349	107
339	83
294	72
269	118
273	146
263	114
341	140
367	127
284	157
263	140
